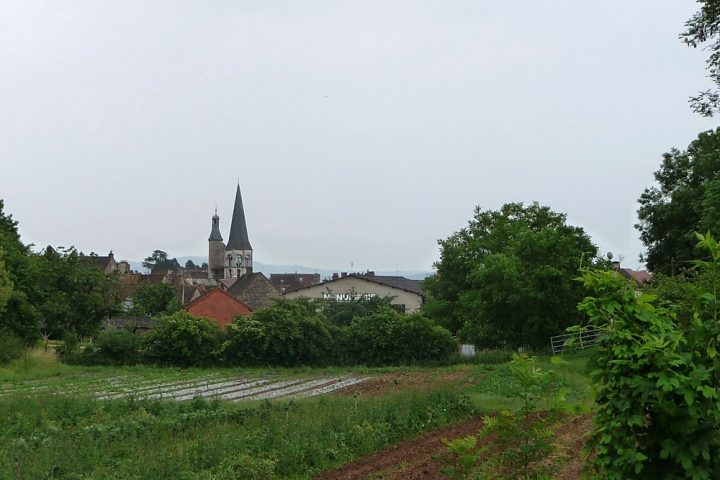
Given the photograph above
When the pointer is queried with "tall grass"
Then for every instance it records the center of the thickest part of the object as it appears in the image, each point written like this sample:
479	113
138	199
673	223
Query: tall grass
63	437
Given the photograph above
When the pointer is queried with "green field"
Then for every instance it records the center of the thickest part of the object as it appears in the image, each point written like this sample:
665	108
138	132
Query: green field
51	427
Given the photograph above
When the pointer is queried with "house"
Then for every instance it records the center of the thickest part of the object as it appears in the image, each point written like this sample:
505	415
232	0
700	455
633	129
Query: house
188	293
640	277
107	264
407	295
254	289
285	282
218	305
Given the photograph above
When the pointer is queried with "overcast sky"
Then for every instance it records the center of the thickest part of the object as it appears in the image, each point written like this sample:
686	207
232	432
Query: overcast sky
360	131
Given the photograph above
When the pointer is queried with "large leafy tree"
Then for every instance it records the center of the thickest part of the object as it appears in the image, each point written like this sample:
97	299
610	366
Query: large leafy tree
506	280
155	299
686	199
159	259
19	318
55	292
72	294
703	30
6	285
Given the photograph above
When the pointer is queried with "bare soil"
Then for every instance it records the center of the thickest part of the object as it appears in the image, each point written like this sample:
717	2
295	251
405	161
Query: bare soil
416	459
393	382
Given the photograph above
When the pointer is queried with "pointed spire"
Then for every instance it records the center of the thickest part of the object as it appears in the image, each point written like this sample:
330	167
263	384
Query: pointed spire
215	231
238	239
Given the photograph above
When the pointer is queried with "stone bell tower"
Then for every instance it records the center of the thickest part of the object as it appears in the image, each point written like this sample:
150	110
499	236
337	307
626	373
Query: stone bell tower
238	252
216	254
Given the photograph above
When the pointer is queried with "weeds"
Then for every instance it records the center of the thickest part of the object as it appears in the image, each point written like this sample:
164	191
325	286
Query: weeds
521	439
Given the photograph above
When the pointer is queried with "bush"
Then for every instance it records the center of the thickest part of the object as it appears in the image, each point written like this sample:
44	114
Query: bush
183	340
112	347
388	337
246	343
69	352
11	347
656	380
289	333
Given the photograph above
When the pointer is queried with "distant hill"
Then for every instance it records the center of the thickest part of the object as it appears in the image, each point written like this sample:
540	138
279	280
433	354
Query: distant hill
267	269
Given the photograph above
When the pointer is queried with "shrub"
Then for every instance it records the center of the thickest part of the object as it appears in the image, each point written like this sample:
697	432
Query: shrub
69	351
11	347
112	347
288	333
246	342
388	337
656	381
183	340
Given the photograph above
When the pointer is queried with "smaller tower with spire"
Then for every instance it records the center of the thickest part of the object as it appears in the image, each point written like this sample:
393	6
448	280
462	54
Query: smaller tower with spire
216	254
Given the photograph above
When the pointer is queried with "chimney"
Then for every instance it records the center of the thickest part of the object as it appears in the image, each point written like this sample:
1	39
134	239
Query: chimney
370	273
343	274
616	265
335	276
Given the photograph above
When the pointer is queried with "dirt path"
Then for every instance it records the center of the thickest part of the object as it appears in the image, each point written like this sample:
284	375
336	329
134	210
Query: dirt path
415	459
410	460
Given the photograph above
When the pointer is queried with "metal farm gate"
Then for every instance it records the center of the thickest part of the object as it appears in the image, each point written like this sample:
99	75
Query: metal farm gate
570	342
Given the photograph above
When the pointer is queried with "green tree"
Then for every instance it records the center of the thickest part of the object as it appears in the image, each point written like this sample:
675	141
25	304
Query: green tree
159	259
343	313
155	299
57	291
288	333
505	280
190	264
388	337
183	340
686	199
6	285
72	294
703	30
20	317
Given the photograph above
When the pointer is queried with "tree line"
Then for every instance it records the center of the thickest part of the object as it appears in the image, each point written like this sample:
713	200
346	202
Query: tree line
48	293
292	332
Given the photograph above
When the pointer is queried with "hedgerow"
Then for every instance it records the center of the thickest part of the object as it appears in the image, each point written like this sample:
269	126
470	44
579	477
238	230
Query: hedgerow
289	333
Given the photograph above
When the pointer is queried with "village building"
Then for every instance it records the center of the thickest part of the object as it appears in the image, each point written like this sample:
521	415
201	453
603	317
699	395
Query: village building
219	306
109	265
254	289
407	295
285	282
640	277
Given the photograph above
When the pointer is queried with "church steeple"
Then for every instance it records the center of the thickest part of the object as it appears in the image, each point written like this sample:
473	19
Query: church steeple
238	239
238	253
215	231
216	251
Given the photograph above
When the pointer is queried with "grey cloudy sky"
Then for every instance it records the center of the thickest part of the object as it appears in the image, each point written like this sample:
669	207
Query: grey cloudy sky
360	131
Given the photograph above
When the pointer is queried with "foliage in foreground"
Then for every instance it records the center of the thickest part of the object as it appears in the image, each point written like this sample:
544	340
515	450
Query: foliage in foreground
657	380
61	437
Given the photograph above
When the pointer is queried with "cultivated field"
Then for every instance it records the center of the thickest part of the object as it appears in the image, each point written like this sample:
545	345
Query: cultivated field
183	386
156	423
